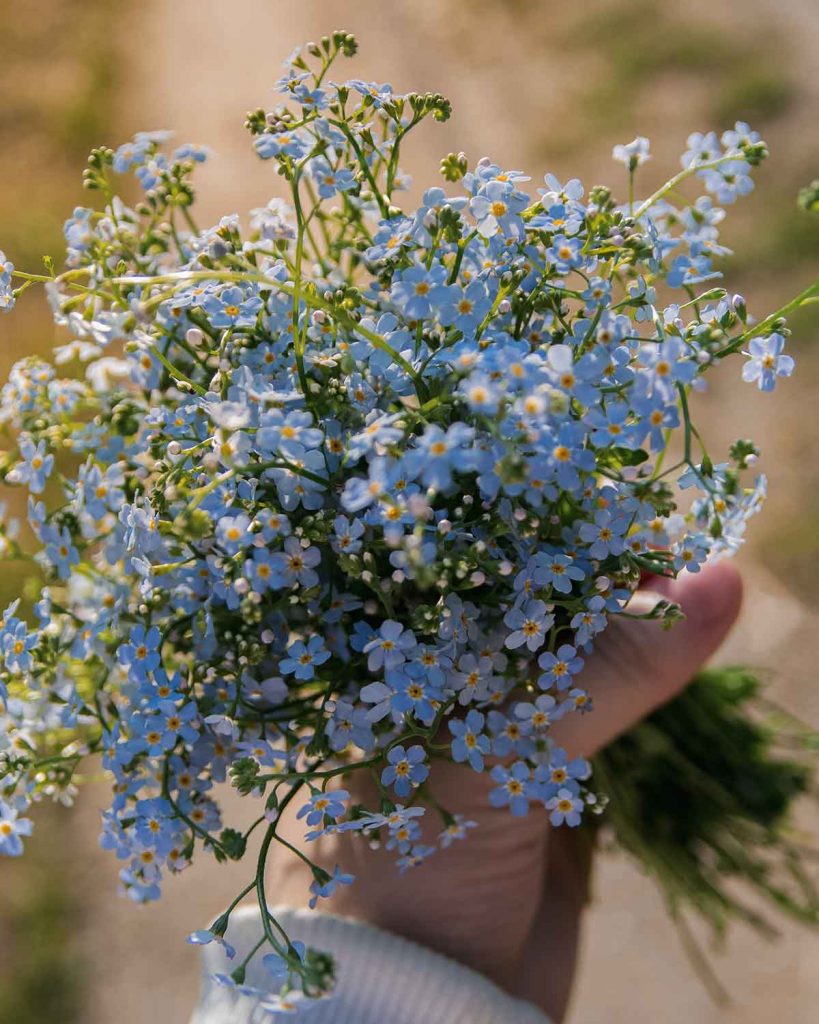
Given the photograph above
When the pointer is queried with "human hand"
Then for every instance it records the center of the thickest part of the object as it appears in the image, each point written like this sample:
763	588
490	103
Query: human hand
507	902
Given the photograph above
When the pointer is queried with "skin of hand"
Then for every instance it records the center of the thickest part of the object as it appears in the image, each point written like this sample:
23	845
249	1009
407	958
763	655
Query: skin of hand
507	901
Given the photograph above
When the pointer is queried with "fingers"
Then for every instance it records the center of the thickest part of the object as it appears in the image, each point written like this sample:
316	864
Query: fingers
547	964
446	904
638	666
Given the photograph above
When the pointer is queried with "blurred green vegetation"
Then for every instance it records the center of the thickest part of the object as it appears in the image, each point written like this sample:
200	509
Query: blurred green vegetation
40	975
637	44
58	80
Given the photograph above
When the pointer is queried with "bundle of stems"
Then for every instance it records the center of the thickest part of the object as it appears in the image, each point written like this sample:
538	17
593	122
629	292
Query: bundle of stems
702	794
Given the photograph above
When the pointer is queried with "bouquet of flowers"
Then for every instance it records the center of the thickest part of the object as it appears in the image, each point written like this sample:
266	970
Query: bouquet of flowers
358	487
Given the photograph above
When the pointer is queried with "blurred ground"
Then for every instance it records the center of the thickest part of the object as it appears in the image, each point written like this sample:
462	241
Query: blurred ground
540	89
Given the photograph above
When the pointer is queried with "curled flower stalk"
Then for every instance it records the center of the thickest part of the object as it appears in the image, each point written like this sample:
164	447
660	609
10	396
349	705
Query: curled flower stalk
352	487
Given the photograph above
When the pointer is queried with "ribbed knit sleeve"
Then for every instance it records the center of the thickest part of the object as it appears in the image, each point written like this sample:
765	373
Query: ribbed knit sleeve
382	979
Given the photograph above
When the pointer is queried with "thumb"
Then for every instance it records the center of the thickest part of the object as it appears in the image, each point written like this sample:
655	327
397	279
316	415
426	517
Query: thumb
637	665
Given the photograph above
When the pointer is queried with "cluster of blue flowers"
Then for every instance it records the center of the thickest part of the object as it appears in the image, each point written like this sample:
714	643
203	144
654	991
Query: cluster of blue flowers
311	496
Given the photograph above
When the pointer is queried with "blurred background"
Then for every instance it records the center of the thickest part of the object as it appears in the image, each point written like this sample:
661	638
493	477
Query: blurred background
538	88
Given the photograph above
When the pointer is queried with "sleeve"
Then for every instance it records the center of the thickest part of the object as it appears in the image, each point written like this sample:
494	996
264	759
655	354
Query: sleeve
382	978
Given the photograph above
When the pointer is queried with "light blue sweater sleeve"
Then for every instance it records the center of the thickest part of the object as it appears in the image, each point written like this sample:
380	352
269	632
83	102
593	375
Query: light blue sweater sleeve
383	979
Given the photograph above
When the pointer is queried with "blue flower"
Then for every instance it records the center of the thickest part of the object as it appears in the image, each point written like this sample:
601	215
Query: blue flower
559	668
767	361
329	181
606	535
12	829
273	144
513	788
331	804
691	553
465	308
415	855
565	772
438	452
470	743
261	570
402	835
566	807
728	181
558	571
590	621
414	693
372	92
565	253
529	624
295	565
688	270
416	290
36	466
558	218
633	154
347	539
303	657
141	655
324	889
204	937
497	208
232	307
702	148
18	645
406	770
610	427
388	648
481	393
233	533
537	716
379	430
455	830
6	278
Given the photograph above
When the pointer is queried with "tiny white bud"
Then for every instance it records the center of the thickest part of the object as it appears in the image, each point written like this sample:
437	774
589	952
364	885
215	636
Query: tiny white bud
444	526
194	336
399	576
478	578
504	307
419	506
